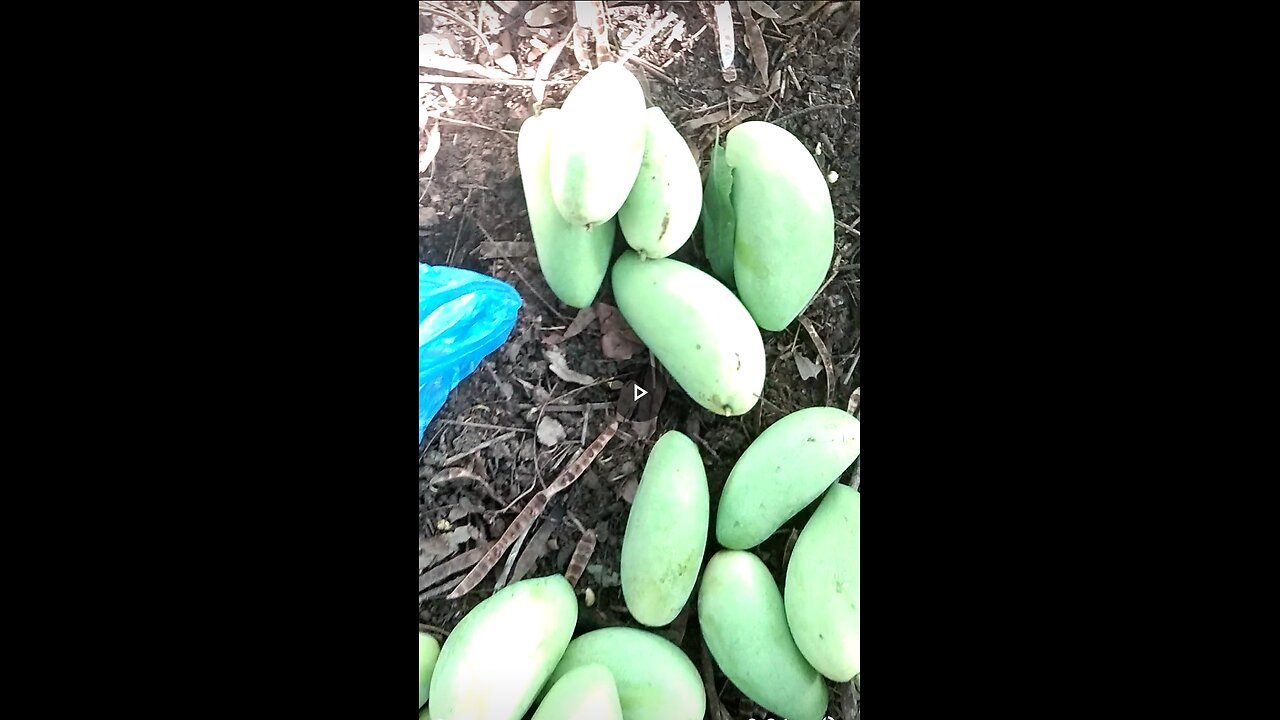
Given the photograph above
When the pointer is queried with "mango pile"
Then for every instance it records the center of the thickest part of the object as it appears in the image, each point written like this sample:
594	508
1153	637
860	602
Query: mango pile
605	162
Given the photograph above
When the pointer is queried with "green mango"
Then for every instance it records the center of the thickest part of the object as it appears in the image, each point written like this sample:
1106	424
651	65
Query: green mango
428	651
586	693
787	467
663	206
596	154
573	258
655	679
696	328
500	655
784	223
743	622
718	225
666	533
823	589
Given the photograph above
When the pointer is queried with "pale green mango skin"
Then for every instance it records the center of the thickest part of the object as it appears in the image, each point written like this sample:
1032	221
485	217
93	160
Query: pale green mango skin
823	588
696	327
743	622
586	693
500	655
597	151
785	226
574	259
666	533
666	199
787	467
428	652
655	679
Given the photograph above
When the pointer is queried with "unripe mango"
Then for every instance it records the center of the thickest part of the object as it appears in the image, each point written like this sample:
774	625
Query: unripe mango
696	328
663	206
428	652
823	588
787	467
742	619
573	258
784	224
596	153
655	679
586	693
666	533
497	659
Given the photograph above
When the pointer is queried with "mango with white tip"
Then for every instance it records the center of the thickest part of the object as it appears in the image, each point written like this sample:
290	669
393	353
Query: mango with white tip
499	656
596	153
586	693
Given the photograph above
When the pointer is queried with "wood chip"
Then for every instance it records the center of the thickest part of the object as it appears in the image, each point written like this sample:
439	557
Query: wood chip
724	29
557	364
550	431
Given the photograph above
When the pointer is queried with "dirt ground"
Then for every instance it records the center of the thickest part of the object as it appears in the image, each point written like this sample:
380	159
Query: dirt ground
472	214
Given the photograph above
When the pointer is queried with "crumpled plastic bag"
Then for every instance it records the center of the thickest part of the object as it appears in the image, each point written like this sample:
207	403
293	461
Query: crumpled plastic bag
462	317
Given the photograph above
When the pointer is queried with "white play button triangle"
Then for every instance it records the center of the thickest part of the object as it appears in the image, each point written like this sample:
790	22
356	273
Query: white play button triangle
639	392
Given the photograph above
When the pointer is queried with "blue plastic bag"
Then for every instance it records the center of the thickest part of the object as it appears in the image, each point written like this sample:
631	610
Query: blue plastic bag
462	317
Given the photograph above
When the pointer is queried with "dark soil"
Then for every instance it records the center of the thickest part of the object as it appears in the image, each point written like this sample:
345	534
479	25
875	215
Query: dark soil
470	198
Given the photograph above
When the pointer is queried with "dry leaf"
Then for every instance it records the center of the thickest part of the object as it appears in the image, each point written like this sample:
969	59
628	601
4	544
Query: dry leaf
433	549
706	120
742	94
808	368
552	338
617	341
428	146
439	43
562	371
507	62
544	69
546	14
762	9
550	431
754	40
429	58
629	490
855	400
490	250
534	549
580	322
